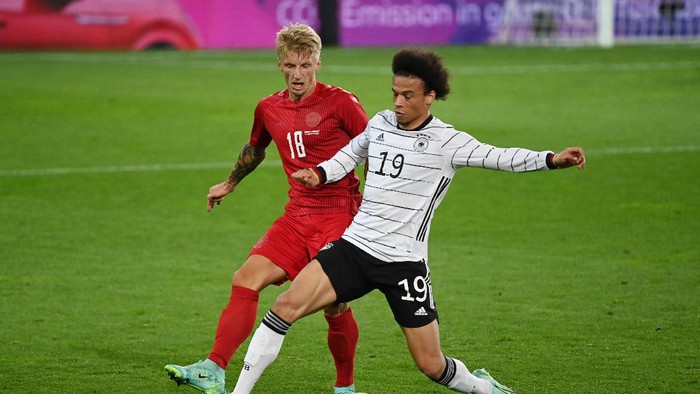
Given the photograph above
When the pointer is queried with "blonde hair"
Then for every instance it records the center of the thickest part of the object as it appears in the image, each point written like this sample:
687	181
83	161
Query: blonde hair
298	38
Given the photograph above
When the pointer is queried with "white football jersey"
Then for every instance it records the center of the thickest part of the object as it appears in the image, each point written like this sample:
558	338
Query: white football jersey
408	175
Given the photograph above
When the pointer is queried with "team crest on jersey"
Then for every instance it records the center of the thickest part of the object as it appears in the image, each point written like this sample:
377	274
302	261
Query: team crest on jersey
313	119
421	144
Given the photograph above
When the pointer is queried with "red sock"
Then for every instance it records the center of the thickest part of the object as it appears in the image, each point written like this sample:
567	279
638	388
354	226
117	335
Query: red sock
342	341
235	324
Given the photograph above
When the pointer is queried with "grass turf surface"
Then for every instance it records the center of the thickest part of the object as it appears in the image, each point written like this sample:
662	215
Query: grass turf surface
555	282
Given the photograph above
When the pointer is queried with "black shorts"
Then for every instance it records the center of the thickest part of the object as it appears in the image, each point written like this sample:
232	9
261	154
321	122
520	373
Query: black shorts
406	285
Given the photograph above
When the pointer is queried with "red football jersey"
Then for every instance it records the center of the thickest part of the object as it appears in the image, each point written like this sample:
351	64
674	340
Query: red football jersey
307	133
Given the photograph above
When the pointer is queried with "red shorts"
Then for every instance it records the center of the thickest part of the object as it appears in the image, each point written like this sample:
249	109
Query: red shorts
293	241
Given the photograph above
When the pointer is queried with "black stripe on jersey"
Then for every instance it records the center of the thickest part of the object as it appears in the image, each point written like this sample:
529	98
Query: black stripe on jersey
360	143
471	153
353	159
384	117
402	135
404	149
390	205
381	217
525	161
483	162
375	230
367	244
442	187
396	191
451	138
367	227
414	180
452	160
443	127
410	164
393	131
402	235
512	159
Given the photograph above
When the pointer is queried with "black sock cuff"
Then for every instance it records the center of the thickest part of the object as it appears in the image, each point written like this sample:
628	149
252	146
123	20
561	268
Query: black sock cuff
449	373
276	323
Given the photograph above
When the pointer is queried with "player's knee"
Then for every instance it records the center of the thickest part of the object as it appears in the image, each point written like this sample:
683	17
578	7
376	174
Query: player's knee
336	309
242	278
289	308
255	278
430	366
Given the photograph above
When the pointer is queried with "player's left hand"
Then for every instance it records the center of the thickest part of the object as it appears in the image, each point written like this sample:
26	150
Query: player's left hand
217	194
569	157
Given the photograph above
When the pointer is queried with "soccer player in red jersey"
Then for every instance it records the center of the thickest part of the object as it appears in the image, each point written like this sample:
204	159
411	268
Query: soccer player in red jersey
309	122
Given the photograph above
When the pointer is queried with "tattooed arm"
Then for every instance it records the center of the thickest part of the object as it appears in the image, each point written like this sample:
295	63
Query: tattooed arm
249	158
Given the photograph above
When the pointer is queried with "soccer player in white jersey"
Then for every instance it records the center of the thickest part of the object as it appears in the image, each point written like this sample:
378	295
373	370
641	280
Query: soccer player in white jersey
412	159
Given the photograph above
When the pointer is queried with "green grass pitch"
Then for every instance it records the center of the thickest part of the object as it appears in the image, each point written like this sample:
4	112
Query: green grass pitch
561	282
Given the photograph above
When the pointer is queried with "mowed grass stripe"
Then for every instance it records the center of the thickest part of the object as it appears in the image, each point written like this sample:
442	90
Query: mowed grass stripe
217	63
277	163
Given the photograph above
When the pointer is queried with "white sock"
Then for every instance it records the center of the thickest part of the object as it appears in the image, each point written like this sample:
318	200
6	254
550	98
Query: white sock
463	381
262	351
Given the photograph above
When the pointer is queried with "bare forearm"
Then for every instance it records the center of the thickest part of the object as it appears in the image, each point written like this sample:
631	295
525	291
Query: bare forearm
249	158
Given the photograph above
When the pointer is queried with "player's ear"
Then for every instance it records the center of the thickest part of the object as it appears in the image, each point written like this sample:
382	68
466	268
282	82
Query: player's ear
318	64
430	97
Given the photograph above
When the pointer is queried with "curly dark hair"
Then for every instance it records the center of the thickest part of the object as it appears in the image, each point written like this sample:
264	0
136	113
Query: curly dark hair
425	65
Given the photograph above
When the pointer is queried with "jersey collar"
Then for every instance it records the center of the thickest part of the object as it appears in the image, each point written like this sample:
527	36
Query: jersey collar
422	125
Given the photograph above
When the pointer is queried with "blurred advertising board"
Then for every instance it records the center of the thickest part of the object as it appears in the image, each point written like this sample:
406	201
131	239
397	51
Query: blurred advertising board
439	22
220	24
215	24
247	23
253	23
145	24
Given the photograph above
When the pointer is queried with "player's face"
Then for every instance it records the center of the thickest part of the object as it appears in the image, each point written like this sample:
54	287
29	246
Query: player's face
411	104
300	74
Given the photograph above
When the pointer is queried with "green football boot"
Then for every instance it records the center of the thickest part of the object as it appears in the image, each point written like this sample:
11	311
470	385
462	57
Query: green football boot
345	390
497	387
204	376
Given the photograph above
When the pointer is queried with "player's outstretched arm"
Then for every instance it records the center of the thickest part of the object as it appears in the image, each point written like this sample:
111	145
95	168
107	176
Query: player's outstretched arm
307	177
569	157
248	159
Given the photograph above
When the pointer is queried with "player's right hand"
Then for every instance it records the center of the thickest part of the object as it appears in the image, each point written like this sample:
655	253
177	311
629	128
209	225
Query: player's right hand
217	194
306	177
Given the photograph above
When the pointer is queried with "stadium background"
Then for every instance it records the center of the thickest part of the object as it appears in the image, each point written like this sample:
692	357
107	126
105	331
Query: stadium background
222	24
555	282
